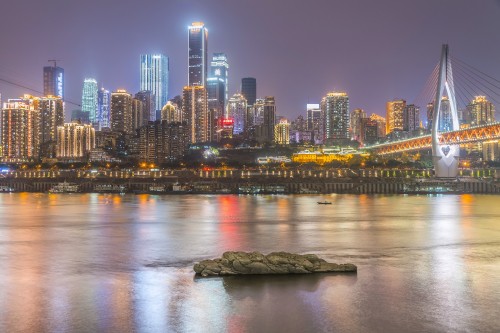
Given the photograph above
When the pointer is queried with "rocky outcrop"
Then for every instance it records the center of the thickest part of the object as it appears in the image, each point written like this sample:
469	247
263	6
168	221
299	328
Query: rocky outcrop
237	263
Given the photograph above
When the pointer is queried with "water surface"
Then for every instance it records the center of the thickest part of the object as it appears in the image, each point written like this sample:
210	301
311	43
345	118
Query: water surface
123	263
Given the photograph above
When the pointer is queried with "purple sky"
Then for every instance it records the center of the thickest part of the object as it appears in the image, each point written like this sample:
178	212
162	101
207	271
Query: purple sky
297	50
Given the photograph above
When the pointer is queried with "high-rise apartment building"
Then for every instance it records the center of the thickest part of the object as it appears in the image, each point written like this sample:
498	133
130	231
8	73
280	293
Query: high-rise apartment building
148	99
137	114
121	112
356	117
75	140
315	122
481	111
197	54
53	81
90	100
381	124
154	78
103	108
171	113
195	113
369	131
163	142
411	118
237	109
269	118
394	115
19	131
335	109
249	89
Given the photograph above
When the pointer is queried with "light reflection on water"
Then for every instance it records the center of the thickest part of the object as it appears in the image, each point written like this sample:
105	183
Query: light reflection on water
122	263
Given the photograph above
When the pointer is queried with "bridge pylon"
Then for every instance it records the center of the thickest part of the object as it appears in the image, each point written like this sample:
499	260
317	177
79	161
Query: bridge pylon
445	157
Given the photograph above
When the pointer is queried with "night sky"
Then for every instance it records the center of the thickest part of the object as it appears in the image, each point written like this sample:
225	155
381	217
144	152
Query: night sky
297	50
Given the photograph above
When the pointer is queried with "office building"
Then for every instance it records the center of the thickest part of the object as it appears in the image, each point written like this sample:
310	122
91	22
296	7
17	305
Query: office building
197	54
75	140
216	99
121	112
394	115
269	118
90	100
154	78
335	109
195	113
53	81
237	110
249	89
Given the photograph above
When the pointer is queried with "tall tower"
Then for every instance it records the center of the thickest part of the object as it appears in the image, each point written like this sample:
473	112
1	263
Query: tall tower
356	117
89	100
197	54
154	78
269	118
335	108
249	89
103	108
444	156
53	81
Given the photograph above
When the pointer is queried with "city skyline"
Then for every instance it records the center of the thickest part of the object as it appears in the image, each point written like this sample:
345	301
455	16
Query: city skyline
396	66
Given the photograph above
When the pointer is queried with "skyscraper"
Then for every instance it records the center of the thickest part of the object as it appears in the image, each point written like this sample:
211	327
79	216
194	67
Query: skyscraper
103	108
195	113
481	111
282	132
216	99
121	112
89	100
356	117
315	122
197	54
269	118
219	68
249	89
237	109
411	118
137	114
53	81
149	101
154	78
394	115
51	116
335	109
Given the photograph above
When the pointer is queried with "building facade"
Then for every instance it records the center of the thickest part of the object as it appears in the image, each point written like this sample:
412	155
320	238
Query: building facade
356	117
195	113
53	81
249	89
237	109
219	69
282	132
121	112
20	123
75	140
103	108
481	111
90	100
411	118
394	115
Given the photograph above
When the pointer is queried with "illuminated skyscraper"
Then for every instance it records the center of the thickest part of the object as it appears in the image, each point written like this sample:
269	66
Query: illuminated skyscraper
121	112
53	81
394	115
89	100
216	99
219	69
154	78
315	122
249	89
103	108
481	111
197	54
195	113
237	109
335	109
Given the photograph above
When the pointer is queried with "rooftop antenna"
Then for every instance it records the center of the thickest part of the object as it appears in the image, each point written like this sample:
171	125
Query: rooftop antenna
54	61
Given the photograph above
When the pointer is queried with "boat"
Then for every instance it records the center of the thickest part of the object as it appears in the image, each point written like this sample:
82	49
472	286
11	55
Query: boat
64	187
324	203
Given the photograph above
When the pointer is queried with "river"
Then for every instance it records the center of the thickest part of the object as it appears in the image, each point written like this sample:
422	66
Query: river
123	263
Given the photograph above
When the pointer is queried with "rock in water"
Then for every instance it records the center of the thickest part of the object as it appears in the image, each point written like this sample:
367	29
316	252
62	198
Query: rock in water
237	263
